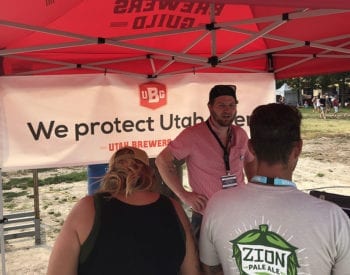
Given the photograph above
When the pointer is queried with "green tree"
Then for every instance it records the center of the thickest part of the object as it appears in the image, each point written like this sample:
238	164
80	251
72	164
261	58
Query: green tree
329	83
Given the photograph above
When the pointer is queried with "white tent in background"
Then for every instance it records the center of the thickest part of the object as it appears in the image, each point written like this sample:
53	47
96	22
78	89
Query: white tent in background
282	90
290	96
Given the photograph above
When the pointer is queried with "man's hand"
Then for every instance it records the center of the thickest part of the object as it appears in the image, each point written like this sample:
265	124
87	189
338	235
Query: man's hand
194	200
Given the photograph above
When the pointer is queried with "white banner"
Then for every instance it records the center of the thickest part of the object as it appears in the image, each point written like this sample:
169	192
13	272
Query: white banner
68	120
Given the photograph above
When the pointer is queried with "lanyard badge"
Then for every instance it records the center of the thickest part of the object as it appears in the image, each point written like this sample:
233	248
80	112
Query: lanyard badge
228	181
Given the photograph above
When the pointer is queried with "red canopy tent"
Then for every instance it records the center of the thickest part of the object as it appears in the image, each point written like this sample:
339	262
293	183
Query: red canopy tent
154	38
151	38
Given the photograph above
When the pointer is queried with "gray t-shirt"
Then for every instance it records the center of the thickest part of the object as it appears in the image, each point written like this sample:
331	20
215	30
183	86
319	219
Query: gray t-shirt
259	229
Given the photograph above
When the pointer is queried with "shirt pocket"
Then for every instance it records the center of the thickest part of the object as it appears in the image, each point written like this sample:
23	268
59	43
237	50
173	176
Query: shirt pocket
237	156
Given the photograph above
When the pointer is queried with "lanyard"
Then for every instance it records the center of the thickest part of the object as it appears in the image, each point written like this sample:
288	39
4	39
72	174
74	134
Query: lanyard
224	148
272	181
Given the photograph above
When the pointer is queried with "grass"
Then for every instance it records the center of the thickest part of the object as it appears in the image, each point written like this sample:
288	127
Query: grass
315	127
9	196
26	182
71	177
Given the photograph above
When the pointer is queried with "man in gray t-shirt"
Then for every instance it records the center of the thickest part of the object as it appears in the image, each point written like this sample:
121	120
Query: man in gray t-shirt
268	226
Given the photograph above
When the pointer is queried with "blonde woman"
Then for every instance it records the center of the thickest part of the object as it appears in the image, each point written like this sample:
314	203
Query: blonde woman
126	227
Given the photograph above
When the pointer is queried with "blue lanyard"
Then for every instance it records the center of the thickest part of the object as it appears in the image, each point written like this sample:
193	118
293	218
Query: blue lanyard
272	181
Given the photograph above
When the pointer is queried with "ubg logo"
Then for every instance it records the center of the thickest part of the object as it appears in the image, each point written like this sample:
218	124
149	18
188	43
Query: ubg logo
152	95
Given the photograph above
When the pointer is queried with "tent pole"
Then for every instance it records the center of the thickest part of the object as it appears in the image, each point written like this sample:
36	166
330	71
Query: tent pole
36	206
2	238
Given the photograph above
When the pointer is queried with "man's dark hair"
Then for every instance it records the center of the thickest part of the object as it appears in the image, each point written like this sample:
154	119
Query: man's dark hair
274	129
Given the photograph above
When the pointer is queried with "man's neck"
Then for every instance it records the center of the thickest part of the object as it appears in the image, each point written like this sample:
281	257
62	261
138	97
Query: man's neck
274	171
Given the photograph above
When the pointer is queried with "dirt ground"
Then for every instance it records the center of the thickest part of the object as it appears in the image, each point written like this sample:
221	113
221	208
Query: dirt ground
324	165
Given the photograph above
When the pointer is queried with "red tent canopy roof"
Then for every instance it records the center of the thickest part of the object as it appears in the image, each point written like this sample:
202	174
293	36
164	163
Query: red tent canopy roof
157	38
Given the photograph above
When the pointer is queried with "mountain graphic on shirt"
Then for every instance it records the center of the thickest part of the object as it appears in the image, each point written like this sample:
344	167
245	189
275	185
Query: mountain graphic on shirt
263	252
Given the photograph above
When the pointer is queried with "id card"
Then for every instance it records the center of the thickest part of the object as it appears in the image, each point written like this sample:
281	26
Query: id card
228	181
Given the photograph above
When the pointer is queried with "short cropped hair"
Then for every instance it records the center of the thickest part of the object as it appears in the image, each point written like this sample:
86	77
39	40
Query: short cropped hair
220	90
274	129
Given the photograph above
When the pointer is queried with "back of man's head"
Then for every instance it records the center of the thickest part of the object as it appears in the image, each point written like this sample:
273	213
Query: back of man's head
274	129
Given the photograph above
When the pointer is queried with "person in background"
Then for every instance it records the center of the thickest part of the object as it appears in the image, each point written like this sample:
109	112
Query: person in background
306	104
268	226
318	103
314	104
328	103
126	227
323	109
335	104
215	151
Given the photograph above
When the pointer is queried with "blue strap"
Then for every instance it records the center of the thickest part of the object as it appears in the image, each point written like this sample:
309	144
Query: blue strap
272	181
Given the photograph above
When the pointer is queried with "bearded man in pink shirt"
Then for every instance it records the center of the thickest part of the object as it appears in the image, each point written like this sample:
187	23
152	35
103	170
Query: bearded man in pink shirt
215	151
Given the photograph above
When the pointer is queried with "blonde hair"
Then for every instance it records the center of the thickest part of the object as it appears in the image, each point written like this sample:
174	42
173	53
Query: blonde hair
126	176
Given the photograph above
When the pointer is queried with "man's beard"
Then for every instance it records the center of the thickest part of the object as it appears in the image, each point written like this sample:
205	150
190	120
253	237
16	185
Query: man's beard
223	122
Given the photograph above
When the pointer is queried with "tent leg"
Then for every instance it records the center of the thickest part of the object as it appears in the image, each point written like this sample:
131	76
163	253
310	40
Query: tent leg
2	239
36	206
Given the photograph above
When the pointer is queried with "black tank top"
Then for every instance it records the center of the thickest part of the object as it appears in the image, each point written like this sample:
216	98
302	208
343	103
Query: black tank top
133	240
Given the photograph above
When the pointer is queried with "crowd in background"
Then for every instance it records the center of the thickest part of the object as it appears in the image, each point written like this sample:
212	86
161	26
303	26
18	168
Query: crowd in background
324	104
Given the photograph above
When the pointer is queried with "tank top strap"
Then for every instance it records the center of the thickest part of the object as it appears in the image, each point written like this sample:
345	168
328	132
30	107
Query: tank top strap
88	245
166	200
